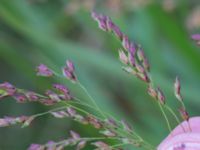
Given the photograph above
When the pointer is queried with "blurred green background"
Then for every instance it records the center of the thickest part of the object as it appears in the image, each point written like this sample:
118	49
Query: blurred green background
51	31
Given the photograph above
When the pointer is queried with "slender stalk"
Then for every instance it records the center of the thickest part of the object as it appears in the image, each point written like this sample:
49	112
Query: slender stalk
165	116
91	98
175	116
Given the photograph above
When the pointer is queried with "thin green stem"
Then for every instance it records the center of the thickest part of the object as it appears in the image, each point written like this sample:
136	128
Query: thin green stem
91	98
48	112
165	116
175	116
119	145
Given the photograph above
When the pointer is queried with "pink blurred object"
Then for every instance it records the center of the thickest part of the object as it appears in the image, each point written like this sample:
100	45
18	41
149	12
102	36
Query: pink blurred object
185	136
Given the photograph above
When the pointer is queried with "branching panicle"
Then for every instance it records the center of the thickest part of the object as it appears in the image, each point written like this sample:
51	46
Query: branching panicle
135	63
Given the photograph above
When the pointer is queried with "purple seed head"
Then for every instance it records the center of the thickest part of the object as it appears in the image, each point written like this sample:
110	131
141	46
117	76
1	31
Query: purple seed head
43	70
52	95
61	88
70	66
126	42
132	49
32	96
123	57
161	96
94	121
152	92
131	60
101	19
7	89
109	24
139	68
68	74
20	97
177	89
117	32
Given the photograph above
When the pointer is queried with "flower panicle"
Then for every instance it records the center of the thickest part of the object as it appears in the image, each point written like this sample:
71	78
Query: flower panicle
73	140
132	54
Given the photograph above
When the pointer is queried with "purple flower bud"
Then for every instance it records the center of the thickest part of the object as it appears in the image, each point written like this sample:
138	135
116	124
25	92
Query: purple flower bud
53	96
20	97
101	20
131	59
61	88
70	66
6	89
132	49
109	24
161	96
28	121
139	68
126	42
94	121
117	32
43	70
32	96
152	92
68	74
102	23
122	56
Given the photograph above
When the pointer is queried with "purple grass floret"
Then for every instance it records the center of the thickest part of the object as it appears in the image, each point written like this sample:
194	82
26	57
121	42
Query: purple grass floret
6	89
69	71
177	89
43	70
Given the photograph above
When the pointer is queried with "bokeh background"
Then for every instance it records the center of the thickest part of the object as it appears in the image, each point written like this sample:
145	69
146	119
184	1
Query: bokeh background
51	31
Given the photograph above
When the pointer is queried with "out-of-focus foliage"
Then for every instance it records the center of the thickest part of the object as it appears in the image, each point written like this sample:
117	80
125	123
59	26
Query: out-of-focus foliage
51	31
